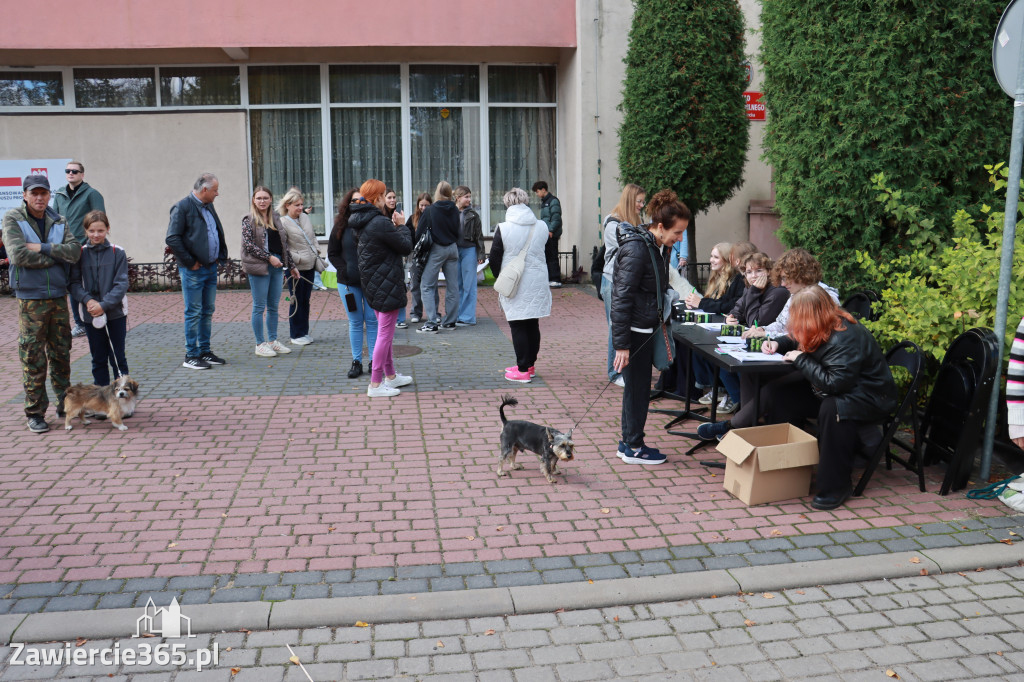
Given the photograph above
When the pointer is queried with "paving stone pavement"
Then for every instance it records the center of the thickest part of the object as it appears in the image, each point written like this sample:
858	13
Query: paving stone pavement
954	626
280	479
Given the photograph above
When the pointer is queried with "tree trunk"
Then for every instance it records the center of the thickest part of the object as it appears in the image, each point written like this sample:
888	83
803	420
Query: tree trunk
691	248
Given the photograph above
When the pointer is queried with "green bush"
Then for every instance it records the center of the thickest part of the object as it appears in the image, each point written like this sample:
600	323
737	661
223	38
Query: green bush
684	123
937	290
900	87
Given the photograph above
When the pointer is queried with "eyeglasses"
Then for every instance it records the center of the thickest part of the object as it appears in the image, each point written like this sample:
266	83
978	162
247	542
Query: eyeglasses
72	171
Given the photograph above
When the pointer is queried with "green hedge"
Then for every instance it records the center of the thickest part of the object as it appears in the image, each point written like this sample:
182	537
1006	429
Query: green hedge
854	89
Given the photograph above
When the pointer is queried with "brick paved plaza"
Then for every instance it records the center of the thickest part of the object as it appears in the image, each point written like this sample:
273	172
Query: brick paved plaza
277	479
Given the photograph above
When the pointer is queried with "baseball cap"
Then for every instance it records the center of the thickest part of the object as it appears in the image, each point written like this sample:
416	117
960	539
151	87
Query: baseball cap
34	181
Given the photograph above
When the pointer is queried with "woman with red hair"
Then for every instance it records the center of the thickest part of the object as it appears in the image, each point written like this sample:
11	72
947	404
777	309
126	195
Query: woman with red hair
380	251
848	385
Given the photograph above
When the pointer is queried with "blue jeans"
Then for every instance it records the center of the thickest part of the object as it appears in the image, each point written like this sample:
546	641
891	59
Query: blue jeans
606	294
266	294
467	284
362	315
704	376
199	289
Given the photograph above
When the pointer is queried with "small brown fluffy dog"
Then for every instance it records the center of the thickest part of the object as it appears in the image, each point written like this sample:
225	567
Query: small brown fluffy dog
116	401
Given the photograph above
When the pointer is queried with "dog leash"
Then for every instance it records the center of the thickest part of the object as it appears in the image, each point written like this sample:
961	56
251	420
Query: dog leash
113	354
610	382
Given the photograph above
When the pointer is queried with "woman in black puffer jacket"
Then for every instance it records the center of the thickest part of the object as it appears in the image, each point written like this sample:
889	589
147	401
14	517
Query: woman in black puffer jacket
846	385
634	313
381	247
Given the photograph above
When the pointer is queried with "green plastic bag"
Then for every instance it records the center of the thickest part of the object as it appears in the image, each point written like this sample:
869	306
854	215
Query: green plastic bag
329	278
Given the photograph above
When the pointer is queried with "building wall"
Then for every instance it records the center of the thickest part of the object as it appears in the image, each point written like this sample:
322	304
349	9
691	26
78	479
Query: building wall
142	164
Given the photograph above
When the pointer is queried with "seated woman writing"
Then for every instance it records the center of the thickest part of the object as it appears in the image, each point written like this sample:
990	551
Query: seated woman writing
843	380
725	286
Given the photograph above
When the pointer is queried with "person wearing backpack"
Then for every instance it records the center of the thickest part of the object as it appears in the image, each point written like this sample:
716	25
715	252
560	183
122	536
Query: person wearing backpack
628	210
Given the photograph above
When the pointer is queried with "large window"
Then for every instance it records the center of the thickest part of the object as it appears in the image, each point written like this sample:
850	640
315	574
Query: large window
31	89
521	130
200	86
287	144
121	88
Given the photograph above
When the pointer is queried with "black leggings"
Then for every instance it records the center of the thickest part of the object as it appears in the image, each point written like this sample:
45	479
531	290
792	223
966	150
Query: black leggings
526	342
636	394
838	442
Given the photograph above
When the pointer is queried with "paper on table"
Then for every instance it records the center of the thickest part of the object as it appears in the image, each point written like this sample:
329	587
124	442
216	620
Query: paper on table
710	326
747	356
730	339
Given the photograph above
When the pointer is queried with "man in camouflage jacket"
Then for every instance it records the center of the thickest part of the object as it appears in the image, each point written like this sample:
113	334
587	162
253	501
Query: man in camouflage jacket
41	249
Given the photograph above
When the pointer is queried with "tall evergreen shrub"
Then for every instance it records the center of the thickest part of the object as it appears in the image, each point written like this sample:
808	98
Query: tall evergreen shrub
684	122
900	87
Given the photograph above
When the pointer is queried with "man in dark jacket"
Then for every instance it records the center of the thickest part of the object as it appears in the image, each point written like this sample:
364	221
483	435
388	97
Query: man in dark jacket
196	237
42	250
551	214
73	201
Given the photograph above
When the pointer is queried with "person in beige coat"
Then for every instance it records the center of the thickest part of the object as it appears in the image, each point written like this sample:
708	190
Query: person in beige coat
305	255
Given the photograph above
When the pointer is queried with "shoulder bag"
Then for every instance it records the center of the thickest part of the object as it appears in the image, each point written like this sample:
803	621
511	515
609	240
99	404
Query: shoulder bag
507	282
421	249
662	339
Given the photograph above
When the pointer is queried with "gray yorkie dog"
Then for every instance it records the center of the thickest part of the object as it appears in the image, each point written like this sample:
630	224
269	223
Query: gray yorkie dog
521	436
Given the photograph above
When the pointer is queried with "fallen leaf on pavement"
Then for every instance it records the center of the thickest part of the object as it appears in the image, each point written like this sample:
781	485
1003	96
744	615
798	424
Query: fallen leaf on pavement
1007	541
501	527
559	610
294	659
228	649
235	671
616	619
961	574
489	632
440	644
892	673
915	560
979	569
591	582
330	529
749	622
768	595
80	641
470	537
605	510
1010	532
361	624
241	630
173	544
800	592
924	571
776	532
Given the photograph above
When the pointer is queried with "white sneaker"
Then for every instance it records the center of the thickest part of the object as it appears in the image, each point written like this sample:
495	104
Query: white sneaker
301	341
399	380
619	381
264	350
726	405
706	398
308	339
381	391
279	347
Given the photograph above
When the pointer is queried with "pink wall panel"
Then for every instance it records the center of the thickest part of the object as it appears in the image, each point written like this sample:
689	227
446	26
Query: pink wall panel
118	24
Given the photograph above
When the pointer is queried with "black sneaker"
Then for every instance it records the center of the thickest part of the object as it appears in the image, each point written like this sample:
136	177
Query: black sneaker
37	424
356	370
212	359
427	329
401	325
713	430
448	327
77	331
195	363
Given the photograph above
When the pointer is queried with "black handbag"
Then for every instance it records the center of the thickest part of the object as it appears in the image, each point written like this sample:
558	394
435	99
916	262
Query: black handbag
421	250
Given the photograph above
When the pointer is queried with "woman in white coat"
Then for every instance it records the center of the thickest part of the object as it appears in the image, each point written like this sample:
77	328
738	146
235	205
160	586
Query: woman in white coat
532	300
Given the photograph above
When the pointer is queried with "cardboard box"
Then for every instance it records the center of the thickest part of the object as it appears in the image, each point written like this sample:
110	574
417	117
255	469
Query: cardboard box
769	463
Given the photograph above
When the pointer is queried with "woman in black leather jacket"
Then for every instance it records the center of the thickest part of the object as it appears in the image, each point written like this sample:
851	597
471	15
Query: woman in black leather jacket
848	385
634	313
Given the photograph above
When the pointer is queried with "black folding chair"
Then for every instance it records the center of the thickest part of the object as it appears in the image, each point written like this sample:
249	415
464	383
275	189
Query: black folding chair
859	304
878	441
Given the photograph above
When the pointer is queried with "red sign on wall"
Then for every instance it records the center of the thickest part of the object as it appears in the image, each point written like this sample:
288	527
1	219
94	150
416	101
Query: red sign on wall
755	107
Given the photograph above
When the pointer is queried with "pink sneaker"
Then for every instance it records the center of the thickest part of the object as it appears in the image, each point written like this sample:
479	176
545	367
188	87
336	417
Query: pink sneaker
513	374
514	368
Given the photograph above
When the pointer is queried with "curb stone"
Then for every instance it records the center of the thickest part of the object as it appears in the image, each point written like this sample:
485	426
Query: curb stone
310	613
